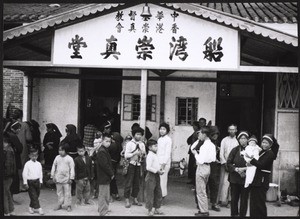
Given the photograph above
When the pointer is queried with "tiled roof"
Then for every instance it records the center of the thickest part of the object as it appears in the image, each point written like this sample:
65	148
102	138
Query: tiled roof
272	12
223	18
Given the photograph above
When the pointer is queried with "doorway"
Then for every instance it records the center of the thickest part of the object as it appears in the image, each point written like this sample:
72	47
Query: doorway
99	96
239	101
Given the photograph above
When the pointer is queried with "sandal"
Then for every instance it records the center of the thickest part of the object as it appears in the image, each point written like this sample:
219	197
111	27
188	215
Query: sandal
137	203
128	205
158	212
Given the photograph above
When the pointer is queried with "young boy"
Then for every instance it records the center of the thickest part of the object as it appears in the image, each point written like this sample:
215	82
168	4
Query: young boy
62	173
152	180
9	165
105	174
83	174
93	155
33	180
134	151
251	150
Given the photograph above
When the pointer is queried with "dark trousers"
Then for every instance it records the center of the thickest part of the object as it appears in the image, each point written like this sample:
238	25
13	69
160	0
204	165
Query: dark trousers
213	182
34	193
132	181
73	185
192	168
113	183
83	189
258	208
153	191
238	192
7	197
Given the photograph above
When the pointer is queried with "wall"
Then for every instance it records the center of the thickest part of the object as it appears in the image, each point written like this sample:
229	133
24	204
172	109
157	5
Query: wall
55	101
12	89
206	92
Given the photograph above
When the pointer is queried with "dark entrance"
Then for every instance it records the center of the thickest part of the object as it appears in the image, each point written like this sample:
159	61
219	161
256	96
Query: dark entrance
98	95
239	101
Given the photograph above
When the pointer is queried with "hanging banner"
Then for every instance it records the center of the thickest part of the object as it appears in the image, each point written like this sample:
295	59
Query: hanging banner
147	37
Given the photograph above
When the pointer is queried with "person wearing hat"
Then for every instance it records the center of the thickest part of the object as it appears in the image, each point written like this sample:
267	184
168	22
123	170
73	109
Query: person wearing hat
164	149
135	151
251	150
260	183
236	165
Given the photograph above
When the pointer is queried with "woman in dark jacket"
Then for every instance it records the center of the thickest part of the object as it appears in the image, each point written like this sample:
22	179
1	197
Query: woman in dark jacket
51	143
260	183
236	165
72	140
11	128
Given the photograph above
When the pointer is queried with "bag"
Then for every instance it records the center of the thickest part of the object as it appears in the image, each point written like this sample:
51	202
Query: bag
126	164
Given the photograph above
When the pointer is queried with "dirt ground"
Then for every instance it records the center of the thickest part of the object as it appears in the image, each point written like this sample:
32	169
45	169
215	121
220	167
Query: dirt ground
179	202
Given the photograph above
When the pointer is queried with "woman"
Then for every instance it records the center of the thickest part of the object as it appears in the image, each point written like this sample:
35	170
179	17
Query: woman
164	149
236	165
72	140
260	183
36	136
51	143
11	128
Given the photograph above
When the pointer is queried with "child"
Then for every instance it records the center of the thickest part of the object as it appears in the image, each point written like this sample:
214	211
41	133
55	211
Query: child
93	155
251	150
105	174
62	173
83	174
9	165
135	151
152	180
33	180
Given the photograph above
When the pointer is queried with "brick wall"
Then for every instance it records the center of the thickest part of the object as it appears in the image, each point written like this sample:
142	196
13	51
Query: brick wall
12	89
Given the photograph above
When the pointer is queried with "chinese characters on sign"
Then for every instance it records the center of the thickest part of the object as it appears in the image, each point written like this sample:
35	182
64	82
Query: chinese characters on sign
111	48
144	48
213	49
76	44
178	48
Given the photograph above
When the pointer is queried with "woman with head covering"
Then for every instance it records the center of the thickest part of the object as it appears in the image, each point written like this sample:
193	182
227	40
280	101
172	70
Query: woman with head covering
72	141
36	135
260	183
236	165
11	128
51	143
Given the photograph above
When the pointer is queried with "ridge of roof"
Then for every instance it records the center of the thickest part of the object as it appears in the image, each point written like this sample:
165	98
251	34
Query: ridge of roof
234	21
214	15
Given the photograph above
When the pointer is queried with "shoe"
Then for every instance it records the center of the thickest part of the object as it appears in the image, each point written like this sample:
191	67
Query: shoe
31	211
57	208
215	208
128	205
41	212
158	212
201	214
88	202
69	209
118	198
7	214
150	213
137	203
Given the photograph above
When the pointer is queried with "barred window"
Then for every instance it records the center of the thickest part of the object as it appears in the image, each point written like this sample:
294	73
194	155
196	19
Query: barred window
288	91
131	107
186	110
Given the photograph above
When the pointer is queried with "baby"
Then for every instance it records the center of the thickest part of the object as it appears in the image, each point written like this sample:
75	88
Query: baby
97	143
252	150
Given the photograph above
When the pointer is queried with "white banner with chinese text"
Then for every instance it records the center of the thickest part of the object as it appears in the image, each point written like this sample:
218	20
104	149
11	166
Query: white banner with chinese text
166	40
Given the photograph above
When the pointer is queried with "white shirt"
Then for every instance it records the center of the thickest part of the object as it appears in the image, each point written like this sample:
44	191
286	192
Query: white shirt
227	144
207	152
164	149
152	163
130	147
32	170
63	169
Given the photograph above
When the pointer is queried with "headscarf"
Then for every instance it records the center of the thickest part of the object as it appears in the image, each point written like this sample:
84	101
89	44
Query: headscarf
54	128
243	133
72	133
273	141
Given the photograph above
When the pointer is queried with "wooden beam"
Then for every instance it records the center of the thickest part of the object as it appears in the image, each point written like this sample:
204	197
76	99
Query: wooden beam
162	99
268	69
36	49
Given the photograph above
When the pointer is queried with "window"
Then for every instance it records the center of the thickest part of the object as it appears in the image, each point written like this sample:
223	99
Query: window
288	91
187	110
131	106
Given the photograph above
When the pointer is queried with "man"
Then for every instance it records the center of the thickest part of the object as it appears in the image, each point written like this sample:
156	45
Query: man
214	177
205	156
227	144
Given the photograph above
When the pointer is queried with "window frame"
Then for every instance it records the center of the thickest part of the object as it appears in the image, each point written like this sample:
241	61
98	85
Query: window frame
196	100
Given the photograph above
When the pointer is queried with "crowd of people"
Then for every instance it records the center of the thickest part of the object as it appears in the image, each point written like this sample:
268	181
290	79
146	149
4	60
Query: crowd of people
87	168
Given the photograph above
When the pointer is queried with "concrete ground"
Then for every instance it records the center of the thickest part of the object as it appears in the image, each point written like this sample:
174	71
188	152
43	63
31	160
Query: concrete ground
179	202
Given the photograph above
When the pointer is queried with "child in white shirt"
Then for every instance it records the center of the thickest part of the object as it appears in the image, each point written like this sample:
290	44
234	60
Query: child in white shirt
251	150
33	179
152	180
